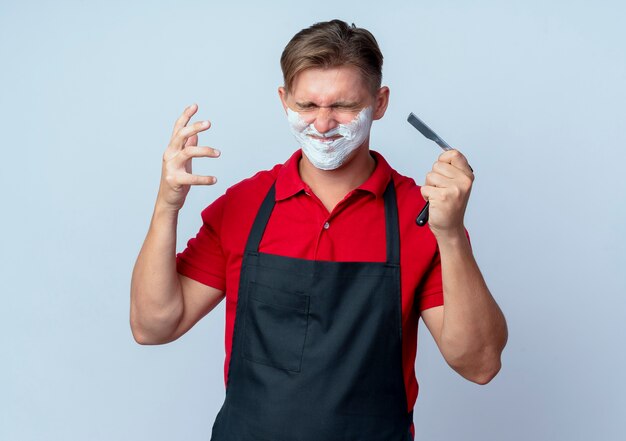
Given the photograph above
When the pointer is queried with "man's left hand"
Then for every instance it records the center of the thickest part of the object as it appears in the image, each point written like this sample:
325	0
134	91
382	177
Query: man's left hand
447	189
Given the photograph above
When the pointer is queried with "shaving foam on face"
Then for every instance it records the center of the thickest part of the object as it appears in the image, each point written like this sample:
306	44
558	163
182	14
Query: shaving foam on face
331	153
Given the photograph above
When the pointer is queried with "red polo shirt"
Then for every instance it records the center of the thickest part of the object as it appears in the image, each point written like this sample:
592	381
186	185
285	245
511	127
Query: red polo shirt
301	227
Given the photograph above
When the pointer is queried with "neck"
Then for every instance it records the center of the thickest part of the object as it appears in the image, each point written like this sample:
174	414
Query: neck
334	185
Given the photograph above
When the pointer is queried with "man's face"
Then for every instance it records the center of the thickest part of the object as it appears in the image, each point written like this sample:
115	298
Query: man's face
332	96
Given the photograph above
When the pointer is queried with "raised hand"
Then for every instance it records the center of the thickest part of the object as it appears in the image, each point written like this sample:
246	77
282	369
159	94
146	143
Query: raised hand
176	176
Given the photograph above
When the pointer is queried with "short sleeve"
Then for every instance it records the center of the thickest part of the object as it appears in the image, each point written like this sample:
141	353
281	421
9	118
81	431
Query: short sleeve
203	259
431	288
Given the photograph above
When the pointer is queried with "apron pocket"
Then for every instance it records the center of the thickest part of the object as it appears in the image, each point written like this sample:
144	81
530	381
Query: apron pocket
275	327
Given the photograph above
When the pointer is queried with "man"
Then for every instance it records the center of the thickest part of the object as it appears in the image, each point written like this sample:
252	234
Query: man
324	271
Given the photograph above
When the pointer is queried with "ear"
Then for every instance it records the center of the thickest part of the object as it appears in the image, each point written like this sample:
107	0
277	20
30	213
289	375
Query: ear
282	93
381	103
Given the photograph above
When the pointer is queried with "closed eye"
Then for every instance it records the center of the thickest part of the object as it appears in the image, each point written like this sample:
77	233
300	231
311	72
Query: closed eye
345	105
341	105
306	106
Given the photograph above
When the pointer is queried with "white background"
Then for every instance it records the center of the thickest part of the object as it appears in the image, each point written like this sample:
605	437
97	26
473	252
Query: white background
532	92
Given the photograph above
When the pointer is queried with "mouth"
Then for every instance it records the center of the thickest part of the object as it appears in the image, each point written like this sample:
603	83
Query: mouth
325	139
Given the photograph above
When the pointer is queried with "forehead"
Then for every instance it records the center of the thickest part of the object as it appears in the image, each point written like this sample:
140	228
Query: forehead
323	86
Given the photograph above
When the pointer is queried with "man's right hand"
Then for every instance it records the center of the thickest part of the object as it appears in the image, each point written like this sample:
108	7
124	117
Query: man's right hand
176	177
163	303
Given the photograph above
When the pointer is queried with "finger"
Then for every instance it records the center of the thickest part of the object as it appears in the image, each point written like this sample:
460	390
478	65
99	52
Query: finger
178	141
455	158
183	156
434	179
191	141
184	118
195	151
458	160
189	179
446	169
428	192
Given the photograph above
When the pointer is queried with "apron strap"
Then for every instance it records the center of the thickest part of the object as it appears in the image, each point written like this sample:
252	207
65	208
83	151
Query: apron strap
391	223
260	221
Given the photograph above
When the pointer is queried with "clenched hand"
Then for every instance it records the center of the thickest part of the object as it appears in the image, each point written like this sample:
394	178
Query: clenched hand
447	190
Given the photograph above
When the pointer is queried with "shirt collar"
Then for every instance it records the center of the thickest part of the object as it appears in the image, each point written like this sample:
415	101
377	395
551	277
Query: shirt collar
377	182
289	182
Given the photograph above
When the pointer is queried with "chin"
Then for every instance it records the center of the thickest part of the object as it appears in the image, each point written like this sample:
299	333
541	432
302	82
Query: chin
362	150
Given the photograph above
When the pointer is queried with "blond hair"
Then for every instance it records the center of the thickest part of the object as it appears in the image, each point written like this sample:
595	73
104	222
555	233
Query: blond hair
332	44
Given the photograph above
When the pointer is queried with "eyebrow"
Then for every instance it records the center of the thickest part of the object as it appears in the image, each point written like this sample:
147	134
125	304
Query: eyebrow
336	104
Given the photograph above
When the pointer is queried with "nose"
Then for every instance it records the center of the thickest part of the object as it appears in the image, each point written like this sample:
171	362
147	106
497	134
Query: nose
324	121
